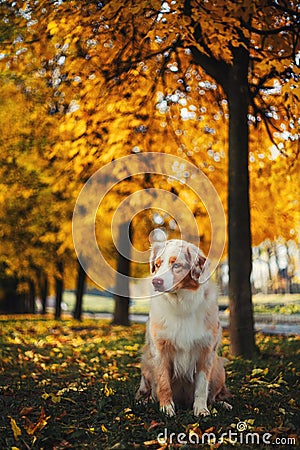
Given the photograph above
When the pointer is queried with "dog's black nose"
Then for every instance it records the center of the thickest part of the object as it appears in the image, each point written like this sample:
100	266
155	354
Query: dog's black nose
157	282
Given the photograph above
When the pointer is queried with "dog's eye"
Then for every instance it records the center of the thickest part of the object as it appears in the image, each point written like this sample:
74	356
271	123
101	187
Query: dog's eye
176	266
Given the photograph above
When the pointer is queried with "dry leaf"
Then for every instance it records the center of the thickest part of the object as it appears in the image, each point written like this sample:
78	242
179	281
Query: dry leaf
15	429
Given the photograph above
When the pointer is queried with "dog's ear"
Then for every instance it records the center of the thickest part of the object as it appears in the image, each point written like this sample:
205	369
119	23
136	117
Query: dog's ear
157	238
156	249
196	259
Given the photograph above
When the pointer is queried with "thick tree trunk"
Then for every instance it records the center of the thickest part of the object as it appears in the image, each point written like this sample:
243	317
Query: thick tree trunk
234	80
80	288
239	233
121	312
59	287
31	298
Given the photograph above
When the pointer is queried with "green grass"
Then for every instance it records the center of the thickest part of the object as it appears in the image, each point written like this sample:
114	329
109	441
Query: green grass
282	304
98	304
71	384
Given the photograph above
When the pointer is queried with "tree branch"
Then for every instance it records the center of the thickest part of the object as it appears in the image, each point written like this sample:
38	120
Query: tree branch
286	9
215	68
266	32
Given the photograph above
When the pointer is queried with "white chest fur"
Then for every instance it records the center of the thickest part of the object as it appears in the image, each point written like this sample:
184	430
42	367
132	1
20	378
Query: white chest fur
181	319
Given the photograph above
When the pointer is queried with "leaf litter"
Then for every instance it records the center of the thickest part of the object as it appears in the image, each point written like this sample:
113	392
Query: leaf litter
69	386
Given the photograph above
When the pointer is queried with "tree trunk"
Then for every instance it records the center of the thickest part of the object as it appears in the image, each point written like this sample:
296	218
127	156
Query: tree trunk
31	299
11	301
121	312
59	287
80	288
239	232
44	292
234	80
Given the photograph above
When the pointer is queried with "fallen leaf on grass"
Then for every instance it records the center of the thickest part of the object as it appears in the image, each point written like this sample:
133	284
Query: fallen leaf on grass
15	429
54	398
154	424
26	411
32	428
194	428
29	426
259	372
292	402
70	400
103	428
107	390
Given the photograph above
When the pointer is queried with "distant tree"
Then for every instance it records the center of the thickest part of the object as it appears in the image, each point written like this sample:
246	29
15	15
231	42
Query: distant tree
43	287
10	300
59	289
31	297
35	219
80	288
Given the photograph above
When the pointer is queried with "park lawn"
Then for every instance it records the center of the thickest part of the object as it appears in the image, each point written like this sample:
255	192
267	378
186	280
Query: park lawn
99	304
273	304
69	384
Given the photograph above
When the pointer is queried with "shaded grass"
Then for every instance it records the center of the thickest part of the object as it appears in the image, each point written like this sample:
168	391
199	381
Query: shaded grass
71	384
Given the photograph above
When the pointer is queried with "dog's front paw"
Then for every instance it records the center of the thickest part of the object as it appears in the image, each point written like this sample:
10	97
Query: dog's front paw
200	409
168	409
201	412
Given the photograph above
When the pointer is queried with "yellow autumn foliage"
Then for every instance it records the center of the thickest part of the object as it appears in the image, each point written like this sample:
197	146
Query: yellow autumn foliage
87	85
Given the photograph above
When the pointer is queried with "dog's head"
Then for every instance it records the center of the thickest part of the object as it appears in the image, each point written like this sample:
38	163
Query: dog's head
176	264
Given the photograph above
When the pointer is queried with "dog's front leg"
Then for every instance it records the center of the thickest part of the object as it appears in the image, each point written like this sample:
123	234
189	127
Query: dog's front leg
203	371
164	391
201	394
163	384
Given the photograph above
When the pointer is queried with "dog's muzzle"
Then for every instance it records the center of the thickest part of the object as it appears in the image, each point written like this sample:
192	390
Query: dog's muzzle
158	284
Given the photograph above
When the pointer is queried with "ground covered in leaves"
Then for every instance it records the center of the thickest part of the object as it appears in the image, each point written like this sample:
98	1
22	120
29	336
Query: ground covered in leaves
70	384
